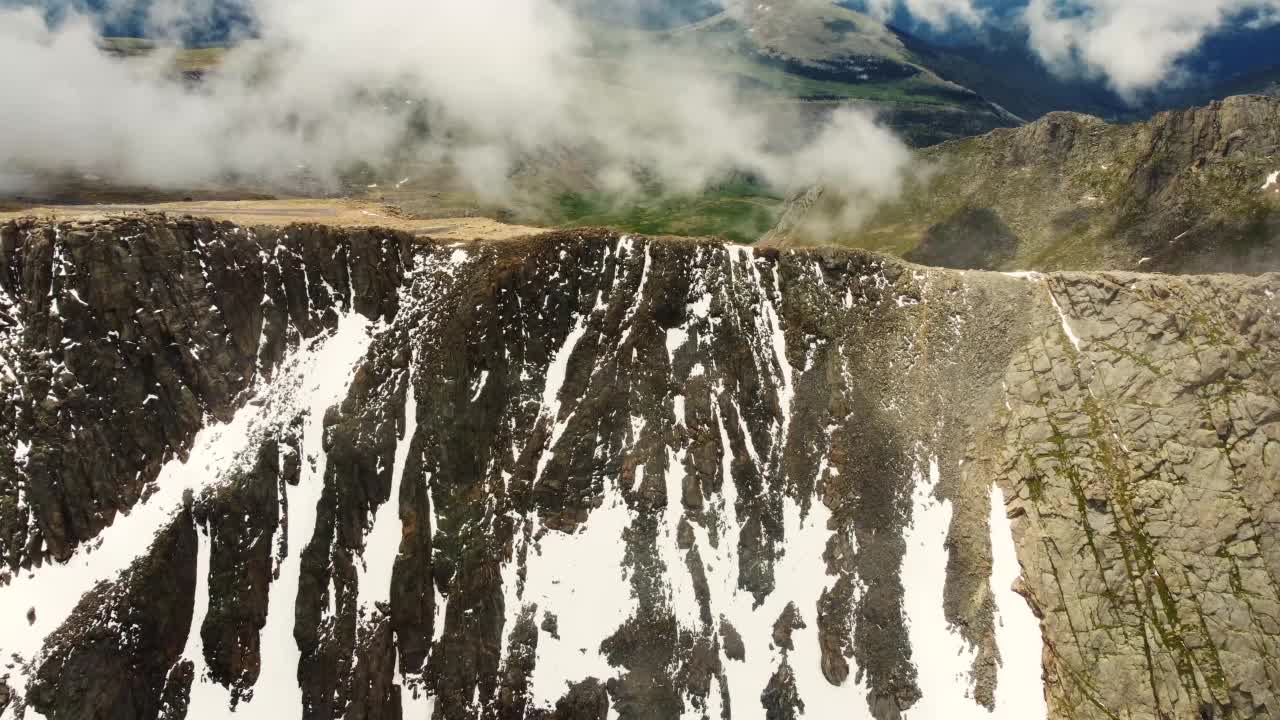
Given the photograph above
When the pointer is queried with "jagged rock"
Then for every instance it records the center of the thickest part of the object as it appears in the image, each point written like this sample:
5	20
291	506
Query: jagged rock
587	700
734	649
175	700
780	698
513	694
551	625
374	694
788	622
111	658
242	522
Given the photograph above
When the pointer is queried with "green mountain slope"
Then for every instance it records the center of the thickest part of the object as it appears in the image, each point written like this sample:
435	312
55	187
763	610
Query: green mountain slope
1188	190
817	52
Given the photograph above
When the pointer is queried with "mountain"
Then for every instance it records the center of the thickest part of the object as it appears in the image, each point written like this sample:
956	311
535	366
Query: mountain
828	56
1188	190
645	14
318	472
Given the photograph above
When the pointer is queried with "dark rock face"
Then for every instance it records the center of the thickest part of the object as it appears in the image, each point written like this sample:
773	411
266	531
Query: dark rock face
587	700
242	525
175	701
111	659
787	622
780	698
590	476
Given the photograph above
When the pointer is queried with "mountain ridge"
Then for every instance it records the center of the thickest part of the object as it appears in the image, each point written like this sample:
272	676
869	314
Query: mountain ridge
798	449
1182	192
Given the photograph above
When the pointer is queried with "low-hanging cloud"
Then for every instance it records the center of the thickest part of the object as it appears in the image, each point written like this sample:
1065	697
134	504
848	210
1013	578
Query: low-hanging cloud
1136	45
325	84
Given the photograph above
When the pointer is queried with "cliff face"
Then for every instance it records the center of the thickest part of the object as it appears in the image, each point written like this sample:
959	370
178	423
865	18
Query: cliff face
321	473
121	341
1186	191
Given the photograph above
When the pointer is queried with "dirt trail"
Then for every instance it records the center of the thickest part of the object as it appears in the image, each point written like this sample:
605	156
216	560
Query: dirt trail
340	212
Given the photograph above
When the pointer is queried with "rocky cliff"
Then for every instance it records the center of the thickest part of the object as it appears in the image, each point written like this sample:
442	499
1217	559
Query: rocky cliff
321	473
1187	191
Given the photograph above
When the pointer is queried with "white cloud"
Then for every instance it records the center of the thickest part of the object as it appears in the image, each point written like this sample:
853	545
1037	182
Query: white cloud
1135	44
938	14
330	82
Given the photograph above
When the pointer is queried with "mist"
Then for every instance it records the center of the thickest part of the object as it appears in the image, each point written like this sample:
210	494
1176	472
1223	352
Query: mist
326	85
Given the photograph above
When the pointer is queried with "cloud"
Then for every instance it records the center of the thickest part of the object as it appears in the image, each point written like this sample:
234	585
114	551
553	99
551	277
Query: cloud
328	84
1136	45
937	14
74	108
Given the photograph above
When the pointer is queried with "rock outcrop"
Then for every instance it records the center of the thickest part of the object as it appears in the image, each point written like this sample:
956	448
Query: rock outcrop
1143	449
588	476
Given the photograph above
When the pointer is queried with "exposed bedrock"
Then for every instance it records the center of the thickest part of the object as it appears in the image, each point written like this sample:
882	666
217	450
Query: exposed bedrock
592	476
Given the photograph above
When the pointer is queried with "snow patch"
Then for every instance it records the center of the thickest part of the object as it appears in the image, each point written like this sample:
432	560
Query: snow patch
21	453
1066	325
675	339
581	579
681	596
943	659
382	544
779	341
638	480
556	373
204	693
484	378
702	306
800	577
1019	687
276	693
768	328
627	321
